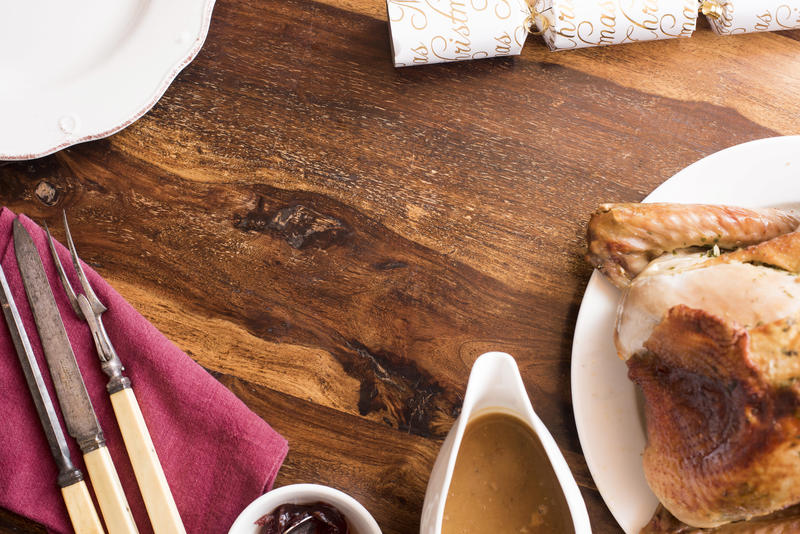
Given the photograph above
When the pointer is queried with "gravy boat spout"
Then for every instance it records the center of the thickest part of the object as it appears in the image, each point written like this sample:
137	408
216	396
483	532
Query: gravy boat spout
495	386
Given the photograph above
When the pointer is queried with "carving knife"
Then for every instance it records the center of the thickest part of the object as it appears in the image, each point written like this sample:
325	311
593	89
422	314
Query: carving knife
76	407
70	479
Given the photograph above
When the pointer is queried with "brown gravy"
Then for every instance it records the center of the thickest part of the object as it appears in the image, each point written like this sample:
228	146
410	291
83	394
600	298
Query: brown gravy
503	482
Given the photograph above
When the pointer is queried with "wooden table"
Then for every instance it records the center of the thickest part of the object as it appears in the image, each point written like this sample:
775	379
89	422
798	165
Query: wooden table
337	240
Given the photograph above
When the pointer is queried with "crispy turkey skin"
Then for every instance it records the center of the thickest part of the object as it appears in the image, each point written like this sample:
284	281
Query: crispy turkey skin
624	238
723	433
712	337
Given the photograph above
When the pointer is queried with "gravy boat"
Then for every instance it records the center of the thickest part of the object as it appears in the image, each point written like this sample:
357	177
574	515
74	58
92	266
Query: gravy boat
495	385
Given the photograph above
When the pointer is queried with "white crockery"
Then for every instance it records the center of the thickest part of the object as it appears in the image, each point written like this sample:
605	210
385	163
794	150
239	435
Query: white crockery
76	71
357	516
608	414
495	385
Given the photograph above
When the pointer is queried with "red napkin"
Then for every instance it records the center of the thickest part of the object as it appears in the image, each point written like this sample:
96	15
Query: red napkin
217	455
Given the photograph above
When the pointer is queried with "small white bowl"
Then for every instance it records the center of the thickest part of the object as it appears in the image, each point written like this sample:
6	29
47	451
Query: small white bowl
357	516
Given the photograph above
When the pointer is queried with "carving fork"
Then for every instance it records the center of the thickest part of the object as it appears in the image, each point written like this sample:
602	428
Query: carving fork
155	491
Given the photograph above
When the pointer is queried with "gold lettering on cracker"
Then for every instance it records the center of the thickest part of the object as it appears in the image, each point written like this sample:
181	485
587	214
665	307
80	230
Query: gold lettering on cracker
585	31
418	18
724	23
729	11
783	18
689	19
667	25
645	17
520	35
439	48
502	45
420	54
608	20
501	13
565	24
457	13
764	21
462	45
607	28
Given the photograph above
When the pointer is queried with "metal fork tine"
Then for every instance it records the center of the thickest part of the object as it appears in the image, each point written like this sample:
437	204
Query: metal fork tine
97	306
73	299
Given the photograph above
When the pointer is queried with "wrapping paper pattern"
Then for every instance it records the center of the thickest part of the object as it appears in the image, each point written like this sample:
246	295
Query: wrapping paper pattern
569	24
438	31
738	16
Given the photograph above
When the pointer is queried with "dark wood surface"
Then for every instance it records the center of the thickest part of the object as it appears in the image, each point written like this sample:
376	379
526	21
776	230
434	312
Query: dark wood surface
337	240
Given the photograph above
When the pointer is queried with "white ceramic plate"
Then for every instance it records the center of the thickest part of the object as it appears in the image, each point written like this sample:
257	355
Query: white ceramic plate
76	71
610	427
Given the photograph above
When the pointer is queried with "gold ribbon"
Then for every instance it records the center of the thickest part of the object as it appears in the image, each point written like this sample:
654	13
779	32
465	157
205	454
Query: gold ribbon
536	16
711	8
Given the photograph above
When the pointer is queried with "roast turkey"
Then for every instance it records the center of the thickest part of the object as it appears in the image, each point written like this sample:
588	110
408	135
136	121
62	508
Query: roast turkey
709	324
624	238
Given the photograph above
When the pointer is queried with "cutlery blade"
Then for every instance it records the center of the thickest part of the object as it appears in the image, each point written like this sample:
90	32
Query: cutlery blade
76	407
67	473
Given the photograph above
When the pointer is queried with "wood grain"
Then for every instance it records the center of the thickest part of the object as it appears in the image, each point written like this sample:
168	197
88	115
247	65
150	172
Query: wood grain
337	240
